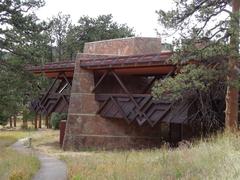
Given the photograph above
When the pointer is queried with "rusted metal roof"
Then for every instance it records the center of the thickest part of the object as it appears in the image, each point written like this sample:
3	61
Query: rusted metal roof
54	66
147	60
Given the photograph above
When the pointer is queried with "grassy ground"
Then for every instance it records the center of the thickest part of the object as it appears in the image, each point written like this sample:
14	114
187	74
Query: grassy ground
13	165
219	158
215	158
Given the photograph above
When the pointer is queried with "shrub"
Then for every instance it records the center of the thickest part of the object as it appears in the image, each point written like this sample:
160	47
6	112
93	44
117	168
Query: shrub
56	118
3	119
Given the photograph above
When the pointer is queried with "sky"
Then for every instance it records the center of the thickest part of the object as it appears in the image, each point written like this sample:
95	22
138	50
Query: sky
139	14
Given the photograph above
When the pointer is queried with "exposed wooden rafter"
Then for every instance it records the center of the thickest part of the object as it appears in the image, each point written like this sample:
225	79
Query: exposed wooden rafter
57	95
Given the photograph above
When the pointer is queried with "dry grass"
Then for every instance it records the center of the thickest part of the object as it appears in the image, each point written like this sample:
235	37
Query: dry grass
9	137
13	165
47	141
219	158
215	158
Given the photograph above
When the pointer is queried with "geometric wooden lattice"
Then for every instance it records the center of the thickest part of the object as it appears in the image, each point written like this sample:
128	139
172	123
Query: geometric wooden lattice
140	108
121	106
55	99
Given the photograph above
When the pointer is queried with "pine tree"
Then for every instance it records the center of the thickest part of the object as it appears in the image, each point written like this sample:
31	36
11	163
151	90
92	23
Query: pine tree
21	43
208	32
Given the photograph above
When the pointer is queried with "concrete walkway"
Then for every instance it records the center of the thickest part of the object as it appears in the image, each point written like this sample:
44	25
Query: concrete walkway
51	167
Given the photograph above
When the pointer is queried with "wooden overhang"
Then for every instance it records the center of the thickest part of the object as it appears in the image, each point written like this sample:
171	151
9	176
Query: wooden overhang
139	108
53	69
148	64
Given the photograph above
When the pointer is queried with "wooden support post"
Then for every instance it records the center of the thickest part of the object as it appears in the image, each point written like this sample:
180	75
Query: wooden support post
40	121
46	121
35	121
10	121
49	121
15	121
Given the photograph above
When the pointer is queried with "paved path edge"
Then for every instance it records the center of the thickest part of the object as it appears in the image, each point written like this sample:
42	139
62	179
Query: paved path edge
51	168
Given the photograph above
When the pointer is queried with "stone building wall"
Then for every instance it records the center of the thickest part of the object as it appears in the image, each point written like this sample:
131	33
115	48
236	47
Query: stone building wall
84	127
124	46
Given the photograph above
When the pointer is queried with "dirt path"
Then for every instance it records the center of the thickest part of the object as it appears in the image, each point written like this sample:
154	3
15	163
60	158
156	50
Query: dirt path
51	167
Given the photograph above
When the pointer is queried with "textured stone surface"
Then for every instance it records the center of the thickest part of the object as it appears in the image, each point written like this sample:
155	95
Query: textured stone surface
108	142
82	103
125	46
117	127
85	56
76	86
94	131
84	127
85	131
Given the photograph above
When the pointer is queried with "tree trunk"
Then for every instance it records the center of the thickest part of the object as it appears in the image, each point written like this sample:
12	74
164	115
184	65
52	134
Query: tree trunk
25	124
36	121
49	121
10	122
231	112
46	122
40	121
15	121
